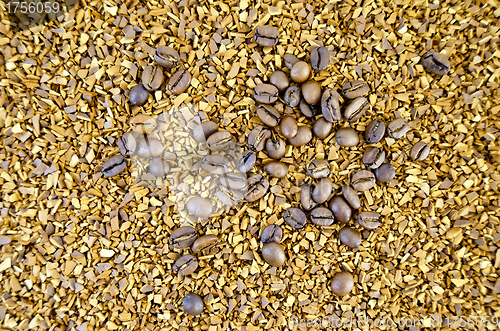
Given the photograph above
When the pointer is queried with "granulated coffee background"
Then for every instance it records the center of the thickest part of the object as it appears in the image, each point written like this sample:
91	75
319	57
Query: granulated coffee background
71	260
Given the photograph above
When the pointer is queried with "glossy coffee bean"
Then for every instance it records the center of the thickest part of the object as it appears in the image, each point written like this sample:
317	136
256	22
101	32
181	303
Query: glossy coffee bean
351	196
347	137
114	165
368	220
149	148
179	82
204	130
304	135
295	217
272	233
320	58
300	72
436	63
215	164
204	243
192	304
373	157
322	190
273	254
363	180
275	147
220	140
269	115
183	237
374	131
142	123
246	161
355	89
199	207
228	196
322	216
185	265
289	126
127	144
258	137
158	167
266	35
280	80
166	56
292	96
318	168
356	109
385	172
265	93
311	91
341	209
276	169
306	199
152	77
307	110
289	60
420	151
257	188
397	128
330	106
350	237
234	180
138	95
342	283
322	128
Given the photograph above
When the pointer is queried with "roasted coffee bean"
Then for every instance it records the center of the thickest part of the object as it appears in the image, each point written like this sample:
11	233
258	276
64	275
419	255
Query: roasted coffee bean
350	237
311	91
204	130
322	190
276	169
220	140
342	283
269	115
199	207
436	63
229	197
355	89
272	233
280	80
300	72
306	199
185	265
158	167
273	254
290	60
307	110
246	161
149	148
322	216
138	95
347	137
385	172
330	106
192	304
373	157
183	237
363	180
234	180
320	58
142	123
295	217
322	128
215	164
397	128
265	93
204	243
318	168
166	56
179	82
257	188
292	96
374	131
356	109
420	151
152	78
258	137
340	209
289	126
303	136
275	147
351	197
127	144
266	35
114	165
368	219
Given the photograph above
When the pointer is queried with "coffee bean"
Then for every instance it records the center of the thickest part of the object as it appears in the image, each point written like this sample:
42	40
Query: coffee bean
397	128
340	209
229	197
322	190
204	243
330	106
356	109
351	197
368	220
436	63
215	164
311	91
420	151
234	180
322	128
166	56
289	126
220	140
385	172
320	58
192	304
374	131
185	265
307	110
152	77
280	80
257	188
275	147
246	161
355	89
272	233
269	115
114	165
290	60
292	96
322	216
204	130
266	35
258	137
306	199
179	82
138	95
350	237
295	217
273	254
342	283
127	144
265	93
142	123
300	72
183	237
276	169
199	207
158	167
148	148
373	157
318	168
363	180
347	137
304	135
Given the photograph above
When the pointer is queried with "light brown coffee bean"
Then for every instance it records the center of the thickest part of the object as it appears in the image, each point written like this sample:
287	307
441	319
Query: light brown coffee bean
152	77
114	165
158	167
142	123
185	265
374	131
280	80
149	148
318	168
355	89
269	115
166	56
322	216
193	304
220	140
215	164
320	58
204	243
266	35
347	137
258	137
183	237
127	144
342	283
300	72
322	128
368	220
273	254
138	95
265	93
351	197
289	126
420	151
363	180
306	199
385	172
275	147
397	128
292	96
204	130
436	63
307	110
330	106
350	237
302	137
311	91
290	60
257	188
356	109
179	82
340	209
373	157
229	197
246	161
234	180
276	169
322	190
272	233
199	207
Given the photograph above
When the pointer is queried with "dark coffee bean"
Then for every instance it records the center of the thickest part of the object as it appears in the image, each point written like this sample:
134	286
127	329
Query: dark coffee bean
266	35
215	164
356	109
322	190
246	161
269	115
350	237
179	82
322	128
275	147
204	130
114	165
300	72
280	80
158	167
368	220
373	157
258	137
330	106
257	188
322	216
199	207
347	137
152	78
127	144
272	233
320	58
397	128
265	93
273	254
420	151
351	197
303	136
311	91
307	110
183	237
292	96
204	243
185	265
276	169
306	199
436	63
220	140
290	60
355	89
142	123
166	56
229	197
289	126
295	217
342	283
138	95
340	209
363	180
318	168
374	131
149	148
234	180
193	304
385	172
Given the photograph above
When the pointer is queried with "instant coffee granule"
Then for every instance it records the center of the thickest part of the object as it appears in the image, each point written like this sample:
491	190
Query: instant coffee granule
81	250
